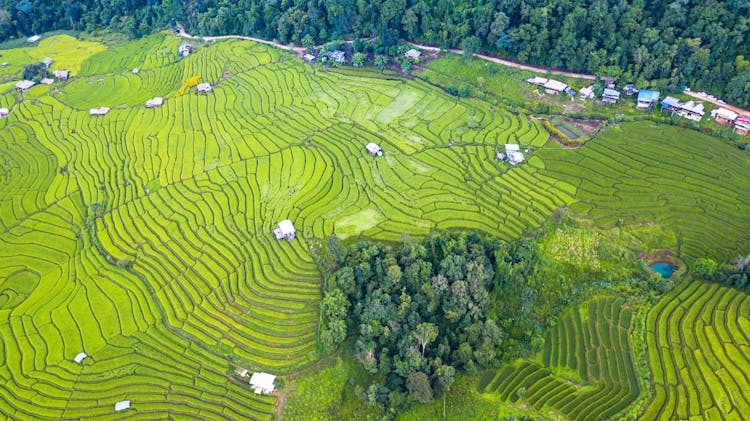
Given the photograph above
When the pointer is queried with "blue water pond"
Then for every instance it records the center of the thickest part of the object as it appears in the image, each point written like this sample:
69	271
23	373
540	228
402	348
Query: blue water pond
664	269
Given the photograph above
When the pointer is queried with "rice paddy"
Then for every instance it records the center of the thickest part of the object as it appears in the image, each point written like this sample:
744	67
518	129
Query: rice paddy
143	237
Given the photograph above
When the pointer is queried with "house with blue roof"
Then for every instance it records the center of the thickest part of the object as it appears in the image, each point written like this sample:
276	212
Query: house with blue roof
647	98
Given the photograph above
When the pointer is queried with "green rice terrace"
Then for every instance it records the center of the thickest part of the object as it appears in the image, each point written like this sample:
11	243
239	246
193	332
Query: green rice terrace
144	237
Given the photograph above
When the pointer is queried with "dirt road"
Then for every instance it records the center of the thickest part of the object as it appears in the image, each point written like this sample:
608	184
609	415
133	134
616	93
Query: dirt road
511	63
299	50
737	110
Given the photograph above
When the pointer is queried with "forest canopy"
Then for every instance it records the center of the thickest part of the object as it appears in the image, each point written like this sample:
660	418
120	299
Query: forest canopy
665	44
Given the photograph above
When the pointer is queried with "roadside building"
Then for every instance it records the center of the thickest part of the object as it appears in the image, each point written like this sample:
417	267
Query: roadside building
337	56
610	96
413	54
554	87
724	116
629	89
647	98
692	111
33	39
536	80
671	103
587	93
742	125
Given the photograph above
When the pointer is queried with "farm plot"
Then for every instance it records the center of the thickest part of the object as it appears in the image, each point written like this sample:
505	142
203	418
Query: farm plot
143	237
686	181
585	370
699	351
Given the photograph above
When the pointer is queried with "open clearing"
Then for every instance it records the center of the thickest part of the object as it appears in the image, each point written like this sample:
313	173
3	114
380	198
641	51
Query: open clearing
169	288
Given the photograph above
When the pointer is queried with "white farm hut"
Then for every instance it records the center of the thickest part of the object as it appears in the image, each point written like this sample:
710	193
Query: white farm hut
61	74
34	38
4	112
99	111
204	88
155	102
374	149
285	231
262	383
513	151
80	357
122	405
47	81
413	54
24	85
48	61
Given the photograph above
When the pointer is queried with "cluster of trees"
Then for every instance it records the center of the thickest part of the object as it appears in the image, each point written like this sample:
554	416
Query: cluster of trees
669	43
35	72
735	274
417	313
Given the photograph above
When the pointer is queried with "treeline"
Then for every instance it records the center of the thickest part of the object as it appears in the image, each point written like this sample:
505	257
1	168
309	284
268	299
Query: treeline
663	43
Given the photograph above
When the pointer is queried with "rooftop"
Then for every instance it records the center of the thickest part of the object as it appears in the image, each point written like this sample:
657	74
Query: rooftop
25	84
263	381
645	95
555	85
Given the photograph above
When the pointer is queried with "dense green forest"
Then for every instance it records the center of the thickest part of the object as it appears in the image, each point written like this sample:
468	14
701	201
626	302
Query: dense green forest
667	44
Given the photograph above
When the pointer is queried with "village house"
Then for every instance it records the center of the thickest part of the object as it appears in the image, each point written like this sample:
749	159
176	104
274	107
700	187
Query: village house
122	405
135	71
61	74
374	149
514	154
742	125
337	55
242	372
610	95
724	116
204	88
47	81
99	111
691	111
48	61
155	102
536	80
34	38
647	98
25	85
184	50
80	357
4	112
285	230
309	58
670	103
554	87
413	54
587	93
5	64
629	89
262	383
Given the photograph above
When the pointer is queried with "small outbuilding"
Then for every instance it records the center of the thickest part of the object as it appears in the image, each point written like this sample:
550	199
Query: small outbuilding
25	85
48	61
724	116
262	383
47	81
99	111
309	58
185	50
374	149
629	89
34	38
413	54
242	372
336	55
647	98
554	87
61	74
80	357
155	102
515	158
122	405
135	71
285	231
5	64
4	112
536	80
742	125
586	93
670	103
610	96
204	88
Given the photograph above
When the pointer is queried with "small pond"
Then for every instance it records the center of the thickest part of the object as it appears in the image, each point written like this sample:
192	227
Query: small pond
665	269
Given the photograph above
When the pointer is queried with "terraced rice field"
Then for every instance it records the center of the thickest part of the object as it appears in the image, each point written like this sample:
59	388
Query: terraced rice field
585	371
686	181
699	352
143	237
